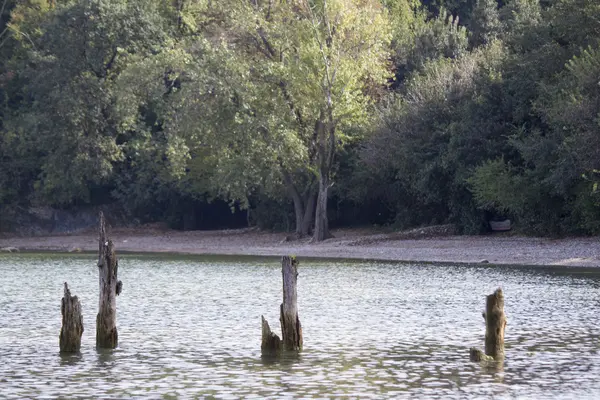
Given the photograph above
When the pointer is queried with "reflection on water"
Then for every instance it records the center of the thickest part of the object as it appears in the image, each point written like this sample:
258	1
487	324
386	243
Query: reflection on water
70	359
191	327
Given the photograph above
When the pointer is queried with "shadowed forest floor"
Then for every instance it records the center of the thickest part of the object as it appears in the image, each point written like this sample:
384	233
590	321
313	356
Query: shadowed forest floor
415	245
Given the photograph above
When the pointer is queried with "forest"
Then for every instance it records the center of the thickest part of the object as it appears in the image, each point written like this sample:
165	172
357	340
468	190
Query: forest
303	115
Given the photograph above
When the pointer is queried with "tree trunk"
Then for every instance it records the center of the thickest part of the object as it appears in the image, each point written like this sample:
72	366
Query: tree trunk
495	323
179	6
321	222
325	133
299	212
291	330
297	199
72	323
110	288
309	211
271	344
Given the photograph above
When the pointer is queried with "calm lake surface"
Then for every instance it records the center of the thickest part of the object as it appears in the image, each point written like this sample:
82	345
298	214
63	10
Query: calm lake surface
190	327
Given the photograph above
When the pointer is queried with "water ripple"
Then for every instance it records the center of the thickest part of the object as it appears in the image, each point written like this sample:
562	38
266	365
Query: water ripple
190	327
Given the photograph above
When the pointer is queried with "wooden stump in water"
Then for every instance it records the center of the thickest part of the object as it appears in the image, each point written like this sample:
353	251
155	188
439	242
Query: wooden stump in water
291	330
478	355
110	288
72	323
271	344
495	323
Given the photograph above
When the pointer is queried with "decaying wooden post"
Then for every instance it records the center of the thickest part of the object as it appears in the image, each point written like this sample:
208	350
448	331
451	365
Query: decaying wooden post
110	288
271	344
72	323
495	323
291	329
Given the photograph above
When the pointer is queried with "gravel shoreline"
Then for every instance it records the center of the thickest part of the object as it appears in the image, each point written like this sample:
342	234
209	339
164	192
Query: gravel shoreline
348	243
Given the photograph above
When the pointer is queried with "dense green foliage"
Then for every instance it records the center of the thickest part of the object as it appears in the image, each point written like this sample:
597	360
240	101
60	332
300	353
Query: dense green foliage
399	112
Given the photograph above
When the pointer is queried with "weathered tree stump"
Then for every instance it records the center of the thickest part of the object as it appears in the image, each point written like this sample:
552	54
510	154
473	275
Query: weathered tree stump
271	344
478	355
495	323
291	329
110	288
72	323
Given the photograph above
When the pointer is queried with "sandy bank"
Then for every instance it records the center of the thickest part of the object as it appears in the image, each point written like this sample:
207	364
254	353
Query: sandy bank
348	243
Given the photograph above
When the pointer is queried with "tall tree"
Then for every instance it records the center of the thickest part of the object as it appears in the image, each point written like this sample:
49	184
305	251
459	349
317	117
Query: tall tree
422	39
323	61
484	23
19	159
444	123
70	116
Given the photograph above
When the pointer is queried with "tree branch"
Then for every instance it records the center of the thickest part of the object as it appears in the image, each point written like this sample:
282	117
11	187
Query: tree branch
3	7
268	46
3	41
321	47
25	36
291	105
110	62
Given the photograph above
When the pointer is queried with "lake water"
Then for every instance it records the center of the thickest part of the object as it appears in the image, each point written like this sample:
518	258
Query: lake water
190	327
